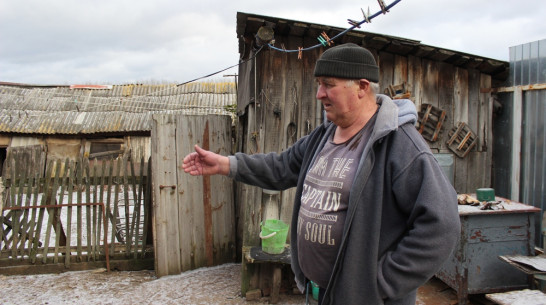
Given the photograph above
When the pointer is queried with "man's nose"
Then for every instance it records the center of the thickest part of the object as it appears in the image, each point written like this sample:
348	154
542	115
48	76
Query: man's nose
321	93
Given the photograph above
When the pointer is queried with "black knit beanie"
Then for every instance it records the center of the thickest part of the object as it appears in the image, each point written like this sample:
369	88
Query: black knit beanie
348	61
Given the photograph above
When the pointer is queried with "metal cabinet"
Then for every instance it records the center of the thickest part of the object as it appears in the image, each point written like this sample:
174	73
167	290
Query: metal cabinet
475	267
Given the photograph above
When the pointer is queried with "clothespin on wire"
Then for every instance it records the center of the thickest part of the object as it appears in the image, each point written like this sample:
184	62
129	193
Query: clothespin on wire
299	52
383	6
324	39
353	23
366	17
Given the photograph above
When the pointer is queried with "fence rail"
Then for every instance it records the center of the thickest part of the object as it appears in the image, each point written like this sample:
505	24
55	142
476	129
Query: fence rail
75	211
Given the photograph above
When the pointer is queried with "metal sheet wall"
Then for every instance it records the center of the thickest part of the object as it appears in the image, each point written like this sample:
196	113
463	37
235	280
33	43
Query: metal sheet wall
528	67
533	150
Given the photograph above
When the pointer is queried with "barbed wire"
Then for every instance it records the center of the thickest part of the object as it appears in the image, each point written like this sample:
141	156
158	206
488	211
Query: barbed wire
324	40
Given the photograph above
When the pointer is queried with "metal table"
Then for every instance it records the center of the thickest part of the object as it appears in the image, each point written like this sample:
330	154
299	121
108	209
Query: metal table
474	267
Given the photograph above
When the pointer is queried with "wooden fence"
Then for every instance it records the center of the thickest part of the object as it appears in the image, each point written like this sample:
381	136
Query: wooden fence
77	214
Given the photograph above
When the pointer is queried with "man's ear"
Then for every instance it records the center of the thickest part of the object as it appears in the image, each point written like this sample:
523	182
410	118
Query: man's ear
364	87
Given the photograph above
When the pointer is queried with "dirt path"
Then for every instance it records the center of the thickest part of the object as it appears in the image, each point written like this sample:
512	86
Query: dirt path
215	285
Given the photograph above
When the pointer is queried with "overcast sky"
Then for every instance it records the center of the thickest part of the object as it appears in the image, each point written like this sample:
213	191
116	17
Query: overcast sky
128	41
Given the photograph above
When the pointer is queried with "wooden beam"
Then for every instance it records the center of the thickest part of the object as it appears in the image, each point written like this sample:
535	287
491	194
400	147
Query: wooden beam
121	265
516	142
514	88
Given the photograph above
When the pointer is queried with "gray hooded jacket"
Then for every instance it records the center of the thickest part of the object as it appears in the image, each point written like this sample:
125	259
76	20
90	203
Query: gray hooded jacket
402	221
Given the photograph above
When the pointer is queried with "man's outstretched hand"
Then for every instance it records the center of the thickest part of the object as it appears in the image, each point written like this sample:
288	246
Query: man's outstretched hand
204	162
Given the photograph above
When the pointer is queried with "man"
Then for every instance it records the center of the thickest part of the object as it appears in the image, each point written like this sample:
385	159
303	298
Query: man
375	216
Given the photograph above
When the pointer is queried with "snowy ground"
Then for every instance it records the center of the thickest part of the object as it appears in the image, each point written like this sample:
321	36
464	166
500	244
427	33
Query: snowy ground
214	285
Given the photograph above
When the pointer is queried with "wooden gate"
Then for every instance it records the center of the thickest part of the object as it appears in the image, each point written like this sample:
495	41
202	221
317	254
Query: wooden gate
193	217
77	215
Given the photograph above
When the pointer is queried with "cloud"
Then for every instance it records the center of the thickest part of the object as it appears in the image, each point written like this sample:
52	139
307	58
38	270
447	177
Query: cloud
120	41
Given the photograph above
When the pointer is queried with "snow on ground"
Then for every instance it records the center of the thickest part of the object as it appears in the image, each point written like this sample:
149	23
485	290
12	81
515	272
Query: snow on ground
213	285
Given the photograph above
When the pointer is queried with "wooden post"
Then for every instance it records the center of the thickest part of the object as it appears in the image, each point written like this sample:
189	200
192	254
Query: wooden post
165	205
193	226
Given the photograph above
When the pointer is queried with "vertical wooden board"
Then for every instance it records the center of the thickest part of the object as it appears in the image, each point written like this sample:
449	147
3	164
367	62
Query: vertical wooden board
245	88
265	66
165	211
401	70
386	70
460	114
36	190
272	110
487	119
476	167
239	210
191	193
248	195
430	94
249	144
70	189
275	100
430	81
298	70
460	96
485	126
309	108
79	182
87	173
474	104
223	212
293	90
257	132
415	77
310	85
460	173
446	101
287	208
223	220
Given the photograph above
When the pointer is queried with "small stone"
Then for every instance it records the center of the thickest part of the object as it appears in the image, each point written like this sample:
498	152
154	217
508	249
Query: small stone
252	295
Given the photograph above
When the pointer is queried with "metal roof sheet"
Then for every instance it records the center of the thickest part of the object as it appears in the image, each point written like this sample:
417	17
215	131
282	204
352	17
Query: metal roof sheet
123	108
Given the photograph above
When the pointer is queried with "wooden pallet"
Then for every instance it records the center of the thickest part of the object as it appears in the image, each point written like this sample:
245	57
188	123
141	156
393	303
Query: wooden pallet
431	120
461	139
400	91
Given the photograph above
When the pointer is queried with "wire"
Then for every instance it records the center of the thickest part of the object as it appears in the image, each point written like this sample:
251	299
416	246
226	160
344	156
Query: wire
340	34
214	73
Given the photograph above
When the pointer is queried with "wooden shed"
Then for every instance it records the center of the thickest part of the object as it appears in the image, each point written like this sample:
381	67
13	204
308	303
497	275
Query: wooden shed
99	121
277	106
86	148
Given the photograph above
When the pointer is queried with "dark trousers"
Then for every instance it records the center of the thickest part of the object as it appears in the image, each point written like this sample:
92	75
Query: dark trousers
320	295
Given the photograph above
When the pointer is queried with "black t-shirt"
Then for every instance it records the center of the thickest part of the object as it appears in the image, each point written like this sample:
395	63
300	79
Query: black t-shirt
324	203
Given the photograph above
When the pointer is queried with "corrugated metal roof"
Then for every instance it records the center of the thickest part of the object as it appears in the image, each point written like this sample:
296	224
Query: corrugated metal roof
123	108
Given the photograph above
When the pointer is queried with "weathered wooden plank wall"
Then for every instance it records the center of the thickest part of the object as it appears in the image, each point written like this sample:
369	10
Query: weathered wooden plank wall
281	107
286	109
457	91
194	221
